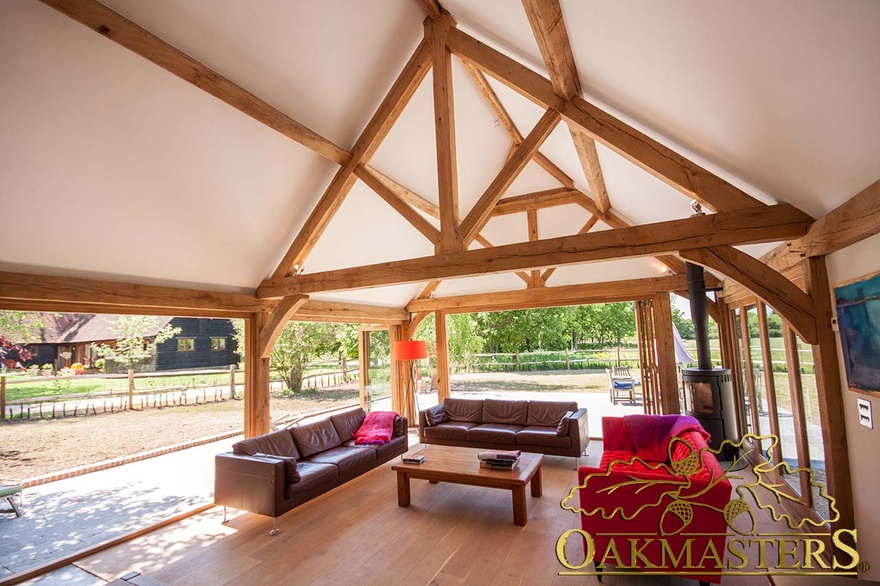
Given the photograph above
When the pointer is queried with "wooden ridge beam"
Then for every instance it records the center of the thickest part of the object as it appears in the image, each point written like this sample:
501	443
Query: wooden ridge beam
276	320
747	226
377	128
396	202
444	127
659	160
626	290
782	295
479	214
120	30
539	199
19	289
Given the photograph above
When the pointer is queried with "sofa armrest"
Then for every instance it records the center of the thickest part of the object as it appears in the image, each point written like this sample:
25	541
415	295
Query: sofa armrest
423	419
578	429
402	430
249	483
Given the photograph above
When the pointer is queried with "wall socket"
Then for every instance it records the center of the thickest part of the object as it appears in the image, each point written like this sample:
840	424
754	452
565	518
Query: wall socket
866	418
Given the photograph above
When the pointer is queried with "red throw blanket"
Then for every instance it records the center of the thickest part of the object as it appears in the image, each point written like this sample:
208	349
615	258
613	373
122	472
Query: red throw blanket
651	433
376	429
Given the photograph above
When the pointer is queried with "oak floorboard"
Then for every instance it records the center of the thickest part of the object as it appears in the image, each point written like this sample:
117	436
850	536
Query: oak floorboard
450	534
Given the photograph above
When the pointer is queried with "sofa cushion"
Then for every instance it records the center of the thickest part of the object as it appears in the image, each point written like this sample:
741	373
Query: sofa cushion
348	422
382	451
315	437
537	435
548	413
449	430
277	443
563	426
494	433
399	428
435	415
346	458
464	410
510	412
312	474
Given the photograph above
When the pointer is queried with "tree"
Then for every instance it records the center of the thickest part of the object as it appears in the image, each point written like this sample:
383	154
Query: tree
299	343
462	338
684	324
132	343
21	326
238	326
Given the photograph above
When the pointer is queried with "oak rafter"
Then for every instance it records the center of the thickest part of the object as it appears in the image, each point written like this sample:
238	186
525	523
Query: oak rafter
401	206
377	128
548	27
659	160
479	214
752	225
135	38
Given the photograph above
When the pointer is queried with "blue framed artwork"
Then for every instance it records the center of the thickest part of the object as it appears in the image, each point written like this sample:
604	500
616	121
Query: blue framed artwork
858	316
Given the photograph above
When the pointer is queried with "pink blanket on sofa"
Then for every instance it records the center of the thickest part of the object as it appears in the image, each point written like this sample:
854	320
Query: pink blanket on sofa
376	428
651	434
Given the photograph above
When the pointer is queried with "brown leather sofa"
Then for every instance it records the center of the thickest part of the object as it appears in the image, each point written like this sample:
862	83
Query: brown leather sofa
547	427
273	473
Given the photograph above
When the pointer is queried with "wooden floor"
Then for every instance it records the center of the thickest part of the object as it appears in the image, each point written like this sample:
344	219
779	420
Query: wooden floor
450	534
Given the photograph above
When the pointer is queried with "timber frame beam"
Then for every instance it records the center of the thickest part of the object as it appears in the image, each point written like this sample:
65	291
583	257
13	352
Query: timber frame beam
610	291
276	321
752	225
659	160
778	292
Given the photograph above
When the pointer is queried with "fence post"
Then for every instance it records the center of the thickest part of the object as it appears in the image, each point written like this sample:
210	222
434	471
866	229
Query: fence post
3	397
516	360
567	360
231	381
131	388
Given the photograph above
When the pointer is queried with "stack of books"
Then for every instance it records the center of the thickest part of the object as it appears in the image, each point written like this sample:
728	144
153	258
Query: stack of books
499	459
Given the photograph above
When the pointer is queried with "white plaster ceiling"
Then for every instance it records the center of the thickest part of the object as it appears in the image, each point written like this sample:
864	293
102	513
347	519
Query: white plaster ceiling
115	168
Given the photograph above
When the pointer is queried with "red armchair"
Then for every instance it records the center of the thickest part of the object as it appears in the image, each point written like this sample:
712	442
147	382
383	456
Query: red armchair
662	517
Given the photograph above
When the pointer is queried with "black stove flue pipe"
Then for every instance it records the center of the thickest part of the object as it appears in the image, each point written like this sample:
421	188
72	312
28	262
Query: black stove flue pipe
699	314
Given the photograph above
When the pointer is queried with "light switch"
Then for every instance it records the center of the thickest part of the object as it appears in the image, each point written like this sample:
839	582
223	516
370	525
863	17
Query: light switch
866	418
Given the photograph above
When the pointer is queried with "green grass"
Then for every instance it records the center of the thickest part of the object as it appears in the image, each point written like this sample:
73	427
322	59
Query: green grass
74	386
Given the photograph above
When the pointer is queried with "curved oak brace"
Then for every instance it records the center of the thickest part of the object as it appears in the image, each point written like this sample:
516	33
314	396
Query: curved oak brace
778	292
276	321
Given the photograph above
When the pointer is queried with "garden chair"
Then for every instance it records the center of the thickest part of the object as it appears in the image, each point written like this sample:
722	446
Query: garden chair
11	493
621	385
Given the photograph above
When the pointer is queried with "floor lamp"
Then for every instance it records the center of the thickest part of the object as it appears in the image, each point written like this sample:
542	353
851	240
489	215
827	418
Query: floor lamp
410	350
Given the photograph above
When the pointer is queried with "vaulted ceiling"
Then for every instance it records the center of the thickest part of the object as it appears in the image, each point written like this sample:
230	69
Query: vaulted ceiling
115	168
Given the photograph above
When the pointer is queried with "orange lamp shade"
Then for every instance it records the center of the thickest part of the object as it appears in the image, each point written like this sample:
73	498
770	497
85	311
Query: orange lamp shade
410	350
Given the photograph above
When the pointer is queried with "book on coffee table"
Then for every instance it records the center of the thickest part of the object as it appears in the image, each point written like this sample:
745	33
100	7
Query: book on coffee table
418	459
498	464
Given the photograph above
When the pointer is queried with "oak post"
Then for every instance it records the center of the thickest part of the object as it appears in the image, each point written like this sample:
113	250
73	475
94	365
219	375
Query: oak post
442	356
669	402
826	365
256	380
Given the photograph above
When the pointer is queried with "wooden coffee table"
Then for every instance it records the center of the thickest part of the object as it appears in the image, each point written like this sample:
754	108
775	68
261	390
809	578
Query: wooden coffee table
461	466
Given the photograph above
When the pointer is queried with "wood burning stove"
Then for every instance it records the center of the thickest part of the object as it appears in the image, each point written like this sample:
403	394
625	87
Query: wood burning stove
708	392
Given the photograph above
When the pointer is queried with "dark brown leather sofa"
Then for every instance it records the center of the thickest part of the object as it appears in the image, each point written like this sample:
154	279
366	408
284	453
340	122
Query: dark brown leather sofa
547	427
273	473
